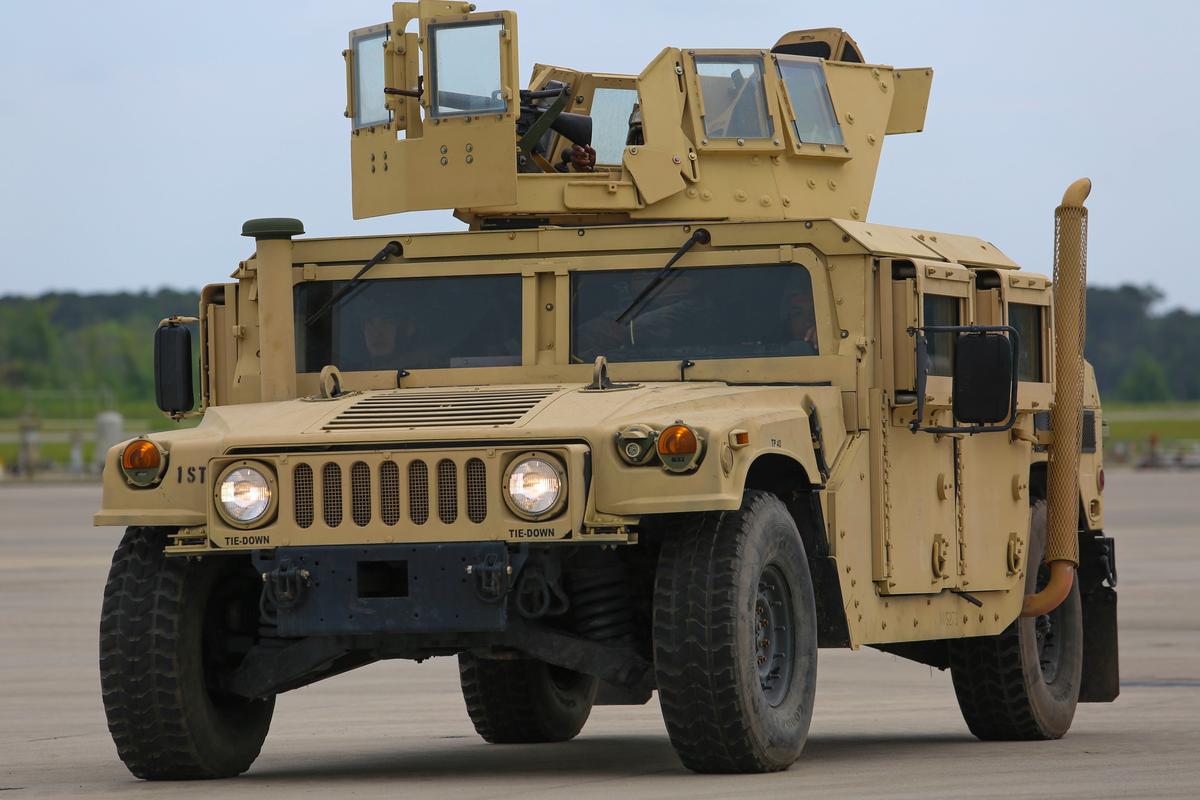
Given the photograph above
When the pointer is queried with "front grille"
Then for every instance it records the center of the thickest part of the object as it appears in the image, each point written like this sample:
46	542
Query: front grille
415	408
393	491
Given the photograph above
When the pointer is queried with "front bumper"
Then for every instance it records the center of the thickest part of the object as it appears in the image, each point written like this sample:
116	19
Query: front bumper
388	589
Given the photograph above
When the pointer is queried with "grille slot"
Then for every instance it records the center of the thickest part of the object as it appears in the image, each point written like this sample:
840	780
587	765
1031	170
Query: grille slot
302	489
389	492
331	494
476	491
1087	444
418	492
447	490
418	409
360	494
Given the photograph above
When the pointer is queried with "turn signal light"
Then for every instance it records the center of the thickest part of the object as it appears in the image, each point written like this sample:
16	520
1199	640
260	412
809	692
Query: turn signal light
680	448
141	454
143	463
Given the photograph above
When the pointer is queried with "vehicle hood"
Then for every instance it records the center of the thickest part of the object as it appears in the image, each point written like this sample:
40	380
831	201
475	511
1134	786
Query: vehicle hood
502	413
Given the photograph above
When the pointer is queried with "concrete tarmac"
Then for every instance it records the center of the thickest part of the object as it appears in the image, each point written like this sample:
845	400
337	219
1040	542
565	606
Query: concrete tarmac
883	727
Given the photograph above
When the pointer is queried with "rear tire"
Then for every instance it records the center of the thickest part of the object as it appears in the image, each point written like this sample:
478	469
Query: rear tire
165	632
735	639
1023	684
525	701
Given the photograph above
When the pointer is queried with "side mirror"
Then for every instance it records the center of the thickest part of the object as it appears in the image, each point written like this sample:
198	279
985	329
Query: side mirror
173	389
985	385
983	378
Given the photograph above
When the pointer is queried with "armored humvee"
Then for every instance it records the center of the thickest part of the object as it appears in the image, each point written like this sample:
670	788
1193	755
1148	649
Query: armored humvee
670	416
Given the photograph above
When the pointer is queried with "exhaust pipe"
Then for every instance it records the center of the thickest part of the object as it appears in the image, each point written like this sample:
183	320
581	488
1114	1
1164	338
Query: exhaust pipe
1066	417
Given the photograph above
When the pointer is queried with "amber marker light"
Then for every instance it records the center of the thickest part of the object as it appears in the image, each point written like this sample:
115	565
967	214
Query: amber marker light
143	462
679	448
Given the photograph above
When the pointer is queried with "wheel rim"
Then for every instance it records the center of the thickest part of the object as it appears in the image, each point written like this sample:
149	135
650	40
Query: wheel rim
774	635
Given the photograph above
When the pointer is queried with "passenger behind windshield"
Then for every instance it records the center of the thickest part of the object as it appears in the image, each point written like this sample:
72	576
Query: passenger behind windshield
412	323
710	312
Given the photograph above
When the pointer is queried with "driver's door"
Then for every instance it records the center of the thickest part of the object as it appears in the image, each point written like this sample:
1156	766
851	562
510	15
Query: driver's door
917	549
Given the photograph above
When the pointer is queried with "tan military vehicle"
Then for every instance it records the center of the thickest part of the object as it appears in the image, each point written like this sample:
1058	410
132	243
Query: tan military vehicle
670	415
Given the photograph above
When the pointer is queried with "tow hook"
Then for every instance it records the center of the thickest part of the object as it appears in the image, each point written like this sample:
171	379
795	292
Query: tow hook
285	585
491	577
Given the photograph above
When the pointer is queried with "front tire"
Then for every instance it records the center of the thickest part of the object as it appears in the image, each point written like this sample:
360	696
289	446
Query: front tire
525	701
1023	684
735	639
168	628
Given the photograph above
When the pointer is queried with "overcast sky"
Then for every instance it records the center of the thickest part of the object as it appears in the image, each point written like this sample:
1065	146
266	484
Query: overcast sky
137	136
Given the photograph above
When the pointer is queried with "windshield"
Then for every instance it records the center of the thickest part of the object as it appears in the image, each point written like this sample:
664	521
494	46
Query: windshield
411	323
698	313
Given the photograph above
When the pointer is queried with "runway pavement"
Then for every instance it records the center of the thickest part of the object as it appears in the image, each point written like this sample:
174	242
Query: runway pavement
883	727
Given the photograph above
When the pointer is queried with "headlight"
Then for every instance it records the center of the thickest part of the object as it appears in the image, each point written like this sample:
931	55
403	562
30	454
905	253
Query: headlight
143	463
535	487
245	495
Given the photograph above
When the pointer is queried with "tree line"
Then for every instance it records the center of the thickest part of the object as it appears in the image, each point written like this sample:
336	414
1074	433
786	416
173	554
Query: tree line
101	345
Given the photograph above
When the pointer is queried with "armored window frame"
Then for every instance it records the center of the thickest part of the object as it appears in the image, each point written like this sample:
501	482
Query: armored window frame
375	35
596	90
815	66
771	141
940	345
1018	288
503	78
1031	361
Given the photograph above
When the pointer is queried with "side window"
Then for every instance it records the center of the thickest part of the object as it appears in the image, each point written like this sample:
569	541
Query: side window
611	109
369	101
939	310
1027	320
735	99
815	120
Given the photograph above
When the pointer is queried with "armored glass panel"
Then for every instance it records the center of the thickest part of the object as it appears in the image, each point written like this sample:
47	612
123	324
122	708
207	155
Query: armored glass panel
735	98
698	313
1027	320
411	323
940	346
369	101
611	109
466	68
815	120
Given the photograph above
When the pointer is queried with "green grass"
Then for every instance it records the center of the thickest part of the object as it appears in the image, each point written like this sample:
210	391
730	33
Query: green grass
1170	422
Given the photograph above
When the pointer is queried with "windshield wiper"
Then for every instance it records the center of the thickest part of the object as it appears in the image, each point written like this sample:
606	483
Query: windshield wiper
701	236
389	250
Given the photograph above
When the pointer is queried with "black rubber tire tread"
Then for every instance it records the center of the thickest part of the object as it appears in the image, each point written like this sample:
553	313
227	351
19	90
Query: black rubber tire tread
161	717
517	702
998	680
711	702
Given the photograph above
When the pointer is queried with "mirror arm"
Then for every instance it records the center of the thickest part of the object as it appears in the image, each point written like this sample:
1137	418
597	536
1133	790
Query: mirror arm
1014	340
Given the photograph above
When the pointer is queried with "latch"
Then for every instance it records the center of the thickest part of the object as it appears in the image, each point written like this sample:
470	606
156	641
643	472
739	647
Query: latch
940	558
